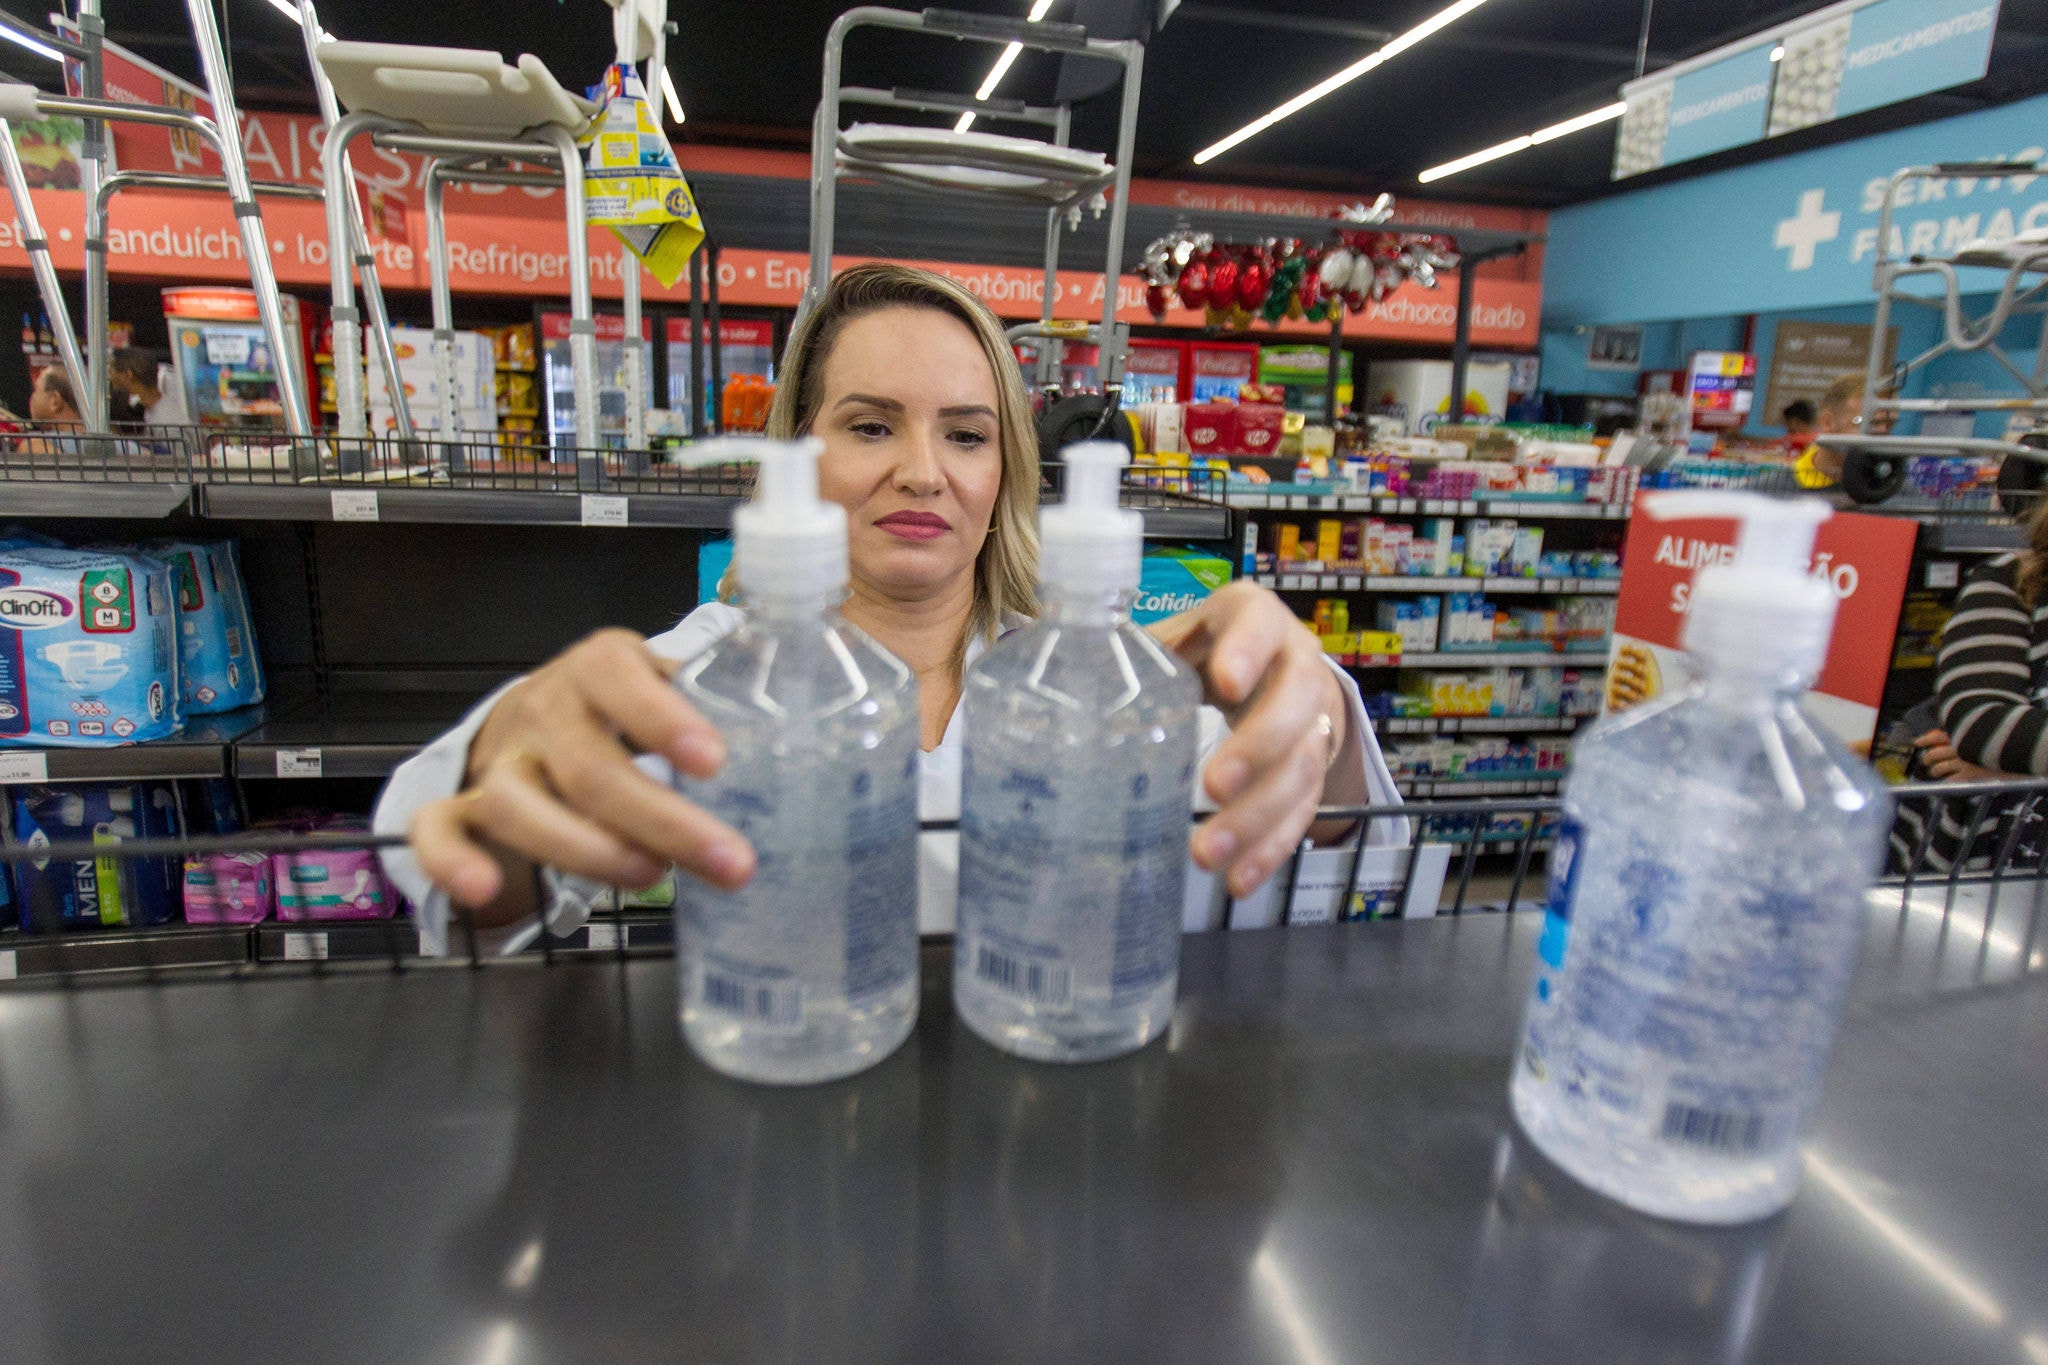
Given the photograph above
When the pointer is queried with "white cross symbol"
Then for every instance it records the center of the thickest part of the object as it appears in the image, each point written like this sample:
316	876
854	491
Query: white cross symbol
1807	229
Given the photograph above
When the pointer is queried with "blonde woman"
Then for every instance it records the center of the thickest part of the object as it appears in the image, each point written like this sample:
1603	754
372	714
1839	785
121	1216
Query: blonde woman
929	445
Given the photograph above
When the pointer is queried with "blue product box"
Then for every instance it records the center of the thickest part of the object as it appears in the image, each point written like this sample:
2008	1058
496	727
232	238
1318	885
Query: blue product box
91	893
1173	580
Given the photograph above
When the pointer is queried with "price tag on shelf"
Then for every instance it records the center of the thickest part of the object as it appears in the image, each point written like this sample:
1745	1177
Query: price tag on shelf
603	937
1297	503
305	946
1292	582
604	509
30	767
1352	582
298	763
353	504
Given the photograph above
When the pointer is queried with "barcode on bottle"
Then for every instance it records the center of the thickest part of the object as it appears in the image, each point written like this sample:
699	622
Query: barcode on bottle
1720	1129
1039	982
771	1004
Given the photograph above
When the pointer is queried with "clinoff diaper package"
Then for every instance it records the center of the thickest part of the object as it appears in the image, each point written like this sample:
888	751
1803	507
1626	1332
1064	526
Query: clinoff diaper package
88	648
332	883
217	665
94	892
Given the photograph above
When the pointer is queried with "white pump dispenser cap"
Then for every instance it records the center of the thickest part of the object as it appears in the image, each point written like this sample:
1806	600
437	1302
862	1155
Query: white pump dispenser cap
1765	612
786	541
1088	544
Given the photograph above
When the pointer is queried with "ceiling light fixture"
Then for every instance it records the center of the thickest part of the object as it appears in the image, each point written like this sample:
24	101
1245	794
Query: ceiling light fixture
1526	141
1003	63
668	93
1778	53
23	40
1394	48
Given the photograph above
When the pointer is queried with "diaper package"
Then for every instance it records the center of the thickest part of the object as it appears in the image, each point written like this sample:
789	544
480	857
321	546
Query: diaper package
228	888
94	892
88	648
217	665
333	883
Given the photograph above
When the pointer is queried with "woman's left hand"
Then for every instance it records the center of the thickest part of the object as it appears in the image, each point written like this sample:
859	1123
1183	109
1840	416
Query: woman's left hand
1264	669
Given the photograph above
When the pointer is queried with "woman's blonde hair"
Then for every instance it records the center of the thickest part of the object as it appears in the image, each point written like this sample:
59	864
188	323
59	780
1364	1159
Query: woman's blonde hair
1006	574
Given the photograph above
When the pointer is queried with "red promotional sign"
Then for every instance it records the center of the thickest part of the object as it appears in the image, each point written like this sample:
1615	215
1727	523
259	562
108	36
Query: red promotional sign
1865	559
731	331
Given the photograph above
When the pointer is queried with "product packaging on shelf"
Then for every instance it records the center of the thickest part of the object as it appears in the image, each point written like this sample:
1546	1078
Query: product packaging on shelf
218	668
1174	579
332	884
228	888
88	648
95	892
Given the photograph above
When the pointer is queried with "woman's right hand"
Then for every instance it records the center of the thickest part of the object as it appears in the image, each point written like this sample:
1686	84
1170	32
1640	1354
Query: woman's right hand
551	781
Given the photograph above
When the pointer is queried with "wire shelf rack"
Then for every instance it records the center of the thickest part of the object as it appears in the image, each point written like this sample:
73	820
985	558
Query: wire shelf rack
1955	849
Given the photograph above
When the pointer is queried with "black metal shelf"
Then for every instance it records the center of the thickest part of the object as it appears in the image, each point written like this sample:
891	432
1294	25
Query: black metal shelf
98	952
453	506
364	735
146	501
333	940
200	750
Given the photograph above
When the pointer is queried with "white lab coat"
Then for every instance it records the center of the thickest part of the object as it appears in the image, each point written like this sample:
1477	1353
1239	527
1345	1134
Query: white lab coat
1358	776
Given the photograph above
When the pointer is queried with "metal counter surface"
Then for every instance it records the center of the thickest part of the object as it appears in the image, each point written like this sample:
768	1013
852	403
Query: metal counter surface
1316	1166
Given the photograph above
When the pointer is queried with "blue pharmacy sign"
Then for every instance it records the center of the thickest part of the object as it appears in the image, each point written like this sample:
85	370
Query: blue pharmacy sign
1719	106
1796	232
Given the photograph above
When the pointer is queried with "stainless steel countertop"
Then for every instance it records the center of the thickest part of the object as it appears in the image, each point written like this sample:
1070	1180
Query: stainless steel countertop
1316	1166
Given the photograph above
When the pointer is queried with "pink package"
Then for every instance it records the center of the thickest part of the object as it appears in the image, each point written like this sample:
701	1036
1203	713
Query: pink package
227	888
333	883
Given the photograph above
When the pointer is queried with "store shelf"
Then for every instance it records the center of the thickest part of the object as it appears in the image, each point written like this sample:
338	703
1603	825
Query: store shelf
34	498
1461	786
1354	582
1478	725
362	736
200	750
1525	509
122	950
1521	658
628	930
453	506
335	940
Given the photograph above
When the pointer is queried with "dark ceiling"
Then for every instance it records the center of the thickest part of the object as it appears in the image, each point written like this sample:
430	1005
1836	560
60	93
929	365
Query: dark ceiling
748	74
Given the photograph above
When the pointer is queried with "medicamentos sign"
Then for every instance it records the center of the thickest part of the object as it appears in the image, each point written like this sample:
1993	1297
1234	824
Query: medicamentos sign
1798	232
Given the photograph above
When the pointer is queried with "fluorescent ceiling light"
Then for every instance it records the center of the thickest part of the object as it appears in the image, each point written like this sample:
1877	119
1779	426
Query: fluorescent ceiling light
1394	48
1526	141
668	93
1002	67
23	40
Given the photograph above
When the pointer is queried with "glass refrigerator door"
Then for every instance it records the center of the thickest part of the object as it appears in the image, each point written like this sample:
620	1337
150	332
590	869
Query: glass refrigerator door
746	346
558	385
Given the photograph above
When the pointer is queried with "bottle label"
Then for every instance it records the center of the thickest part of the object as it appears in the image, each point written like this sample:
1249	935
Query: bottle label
1695	1008
1070	890
830	916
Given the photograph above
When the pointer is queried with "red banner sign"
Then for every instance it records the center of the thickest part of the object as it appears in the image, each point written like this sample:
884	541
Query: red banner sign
1865	559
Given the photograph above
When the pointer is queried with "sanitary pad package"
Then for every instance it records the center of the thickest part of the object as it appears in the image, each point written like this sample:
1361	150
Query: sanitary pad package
228	888
88	648
333	883
91	892
217	664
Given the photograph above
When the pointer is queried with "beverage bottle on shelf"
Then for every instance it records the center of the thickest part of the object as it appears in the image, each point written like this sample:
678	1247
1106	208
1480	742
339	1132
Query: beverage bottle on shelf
1706	902
809	972
1081	733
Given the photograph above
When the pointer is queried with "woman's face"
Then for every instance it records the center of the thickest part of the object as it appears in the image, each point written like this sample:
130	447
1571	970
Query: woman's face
913	448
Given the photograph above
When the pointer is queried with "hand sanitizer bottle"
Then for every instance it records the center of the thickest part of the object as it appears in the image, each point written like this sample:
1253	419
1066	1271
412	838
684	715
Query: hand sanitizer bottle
809	972
1706	902
1075	811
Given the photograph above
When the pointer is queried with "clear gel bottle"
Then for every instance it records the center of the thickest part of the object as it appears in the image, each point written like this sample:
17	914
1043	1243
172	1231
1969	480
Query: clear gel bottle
1706	903
809	972
1081	735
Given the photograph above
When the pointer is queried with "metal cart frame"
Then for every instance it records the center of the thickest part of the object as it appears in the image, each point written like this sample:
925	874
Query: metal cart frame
827	169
